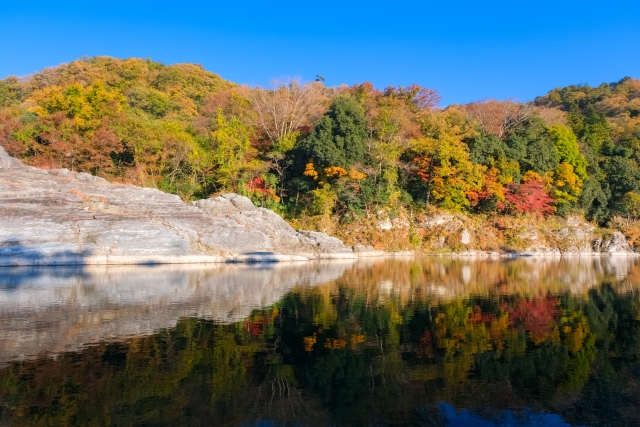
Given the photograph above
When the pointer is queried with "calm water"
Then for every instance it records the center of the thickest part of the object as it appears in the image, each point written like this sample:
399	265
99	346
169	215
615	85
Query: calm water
402	342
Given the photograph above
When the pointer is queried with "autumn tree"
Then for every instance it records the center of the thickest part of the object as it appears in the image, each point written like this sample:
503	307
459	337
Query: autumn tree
443	160
497	118
281	112
229	151
392	122
529	197
568	149
631	203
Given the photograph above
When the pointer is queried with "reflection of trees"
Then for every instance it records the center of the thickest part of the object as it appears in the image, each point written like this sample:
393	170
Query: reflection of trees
380	345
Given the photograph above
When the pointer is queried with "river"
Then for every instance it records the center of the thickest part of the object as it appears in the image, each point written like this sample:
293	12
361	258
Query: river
369	342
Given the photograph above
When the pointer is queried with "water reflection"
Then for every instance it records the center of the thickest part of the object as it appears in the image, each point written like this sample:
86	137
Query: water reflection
370	342
54	309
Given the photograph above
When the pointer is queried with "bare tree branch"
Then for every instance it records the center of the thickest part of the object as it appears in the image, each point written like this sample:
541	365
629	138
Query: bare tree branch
499	117
286	108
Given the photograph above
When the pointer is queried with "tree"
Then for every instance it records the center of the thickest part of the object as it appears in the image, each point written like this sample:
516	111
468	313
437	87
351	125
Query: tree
594	200
567	187
338	139
490	195
230	144
532	146
631	203
279	163
486	149
596	129
391	123
529	197
281	112
497	118
568	149
443	160
622	175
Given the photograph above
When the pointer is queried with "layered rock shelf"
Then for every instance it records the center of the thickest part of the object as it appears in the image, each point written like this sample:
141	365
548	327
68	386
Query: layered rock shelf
58	217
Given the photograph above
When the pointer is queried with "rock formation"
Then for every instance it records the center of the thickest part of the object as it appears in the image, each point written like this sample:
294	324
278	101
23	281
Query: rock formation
575	238
58	217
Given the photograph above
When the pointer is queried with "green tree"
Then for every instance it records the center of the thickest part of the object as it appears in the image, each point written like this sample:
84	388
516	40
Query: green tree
594	200
596	129
532	146
486	149
622	174
568	149
338	139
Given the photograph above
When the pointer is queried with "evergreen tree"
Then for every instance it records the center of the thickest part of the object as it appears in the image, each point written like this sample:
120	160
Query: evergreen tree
596	129
338	139
486	149
531	145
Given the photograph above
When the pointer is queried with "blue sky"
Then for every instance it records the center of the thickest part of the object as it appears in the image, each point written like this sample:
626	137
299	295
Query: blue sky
466	50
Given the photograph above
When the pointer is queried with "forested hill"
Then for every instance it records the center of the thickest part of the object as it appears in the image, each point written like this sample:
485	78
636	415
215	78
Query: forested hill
330	153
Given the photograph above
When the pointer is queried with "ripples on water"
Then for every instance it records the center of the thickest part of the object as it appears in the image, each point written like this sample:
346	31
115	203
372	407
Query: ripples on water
407	342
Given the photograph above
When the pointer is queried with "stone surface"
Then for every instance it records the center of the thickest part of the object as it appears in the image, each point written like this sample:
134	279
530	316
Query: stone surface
8	162
58	217
617	245
465	237
366	251
438	220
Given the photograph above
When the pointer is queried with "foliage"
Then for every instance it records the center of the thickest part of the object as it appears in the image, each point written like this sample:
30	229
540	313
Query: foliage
229	151
443	160
631	203
568	151
529	197
338	139
531	145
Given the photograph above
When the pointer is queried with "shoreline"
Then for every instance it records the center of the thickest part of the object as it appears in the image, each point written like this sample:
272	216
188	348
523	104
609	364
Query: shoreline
271	257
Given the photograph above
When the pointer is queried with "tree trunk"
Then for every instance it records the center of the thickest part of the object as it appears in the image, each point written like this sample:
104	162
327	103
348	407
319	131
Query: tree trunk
429	182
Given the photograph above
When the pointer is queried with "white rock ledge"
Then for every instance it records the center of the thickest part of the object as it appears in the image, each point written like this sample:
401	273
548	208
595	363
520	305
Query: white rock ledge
59	217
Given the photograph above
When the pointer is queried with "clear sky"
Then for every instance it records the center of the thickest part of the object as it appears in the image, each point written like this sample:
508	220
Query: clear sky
466	50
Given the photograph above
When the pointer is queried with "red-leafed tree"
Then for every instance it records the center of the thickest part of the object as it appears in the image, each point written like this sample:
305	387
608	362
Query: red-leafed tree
529	197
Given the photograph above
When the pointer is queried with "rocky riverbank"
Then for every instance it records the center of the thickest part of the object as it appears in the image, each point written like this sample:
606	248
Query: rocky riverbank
511	237
58	217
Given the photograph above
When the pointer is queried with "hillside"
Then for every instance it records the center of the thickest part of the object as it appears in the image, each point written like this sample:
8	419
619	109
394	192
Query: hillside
366	164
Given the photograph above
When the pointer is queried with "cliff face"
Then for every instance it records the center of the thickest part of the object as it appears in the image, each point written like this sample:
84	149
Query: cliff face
58	217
